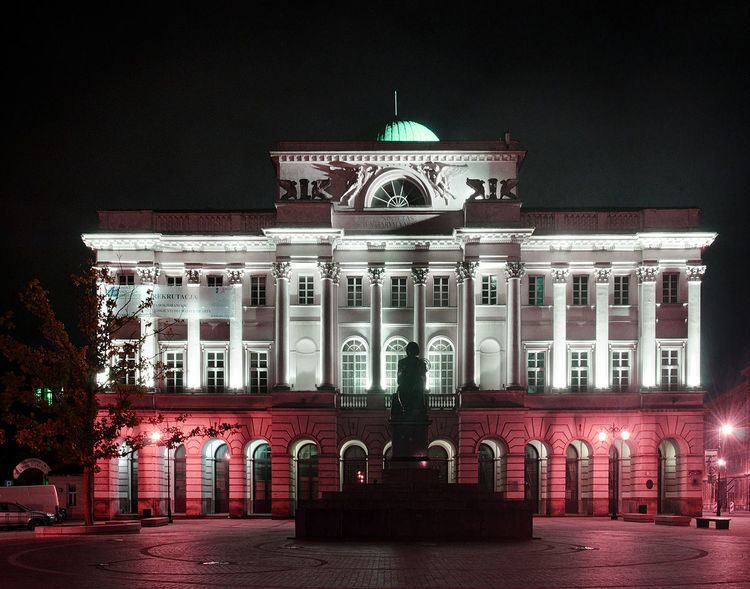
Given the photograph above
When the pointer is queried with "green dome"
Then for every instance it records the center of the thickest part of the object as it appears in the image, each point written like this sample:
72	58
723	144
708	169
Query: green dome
406	131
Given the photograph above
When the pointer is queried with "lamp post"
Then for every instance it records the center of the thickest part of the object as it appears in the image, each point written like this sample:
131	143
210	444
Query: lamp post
624	434
725	430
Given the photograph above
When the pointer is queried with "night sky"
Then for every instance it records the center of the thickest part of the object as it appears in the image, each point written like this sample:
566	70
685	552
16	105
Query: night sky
134	106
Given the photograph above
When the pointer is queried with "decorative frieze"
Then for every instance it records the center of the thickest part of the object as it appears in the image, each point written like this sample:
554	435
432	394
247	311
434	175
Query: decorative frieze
376	274
602	275
419	274
466	270
193	275
330	271
560	275
514	270
646	273
695	272
281	270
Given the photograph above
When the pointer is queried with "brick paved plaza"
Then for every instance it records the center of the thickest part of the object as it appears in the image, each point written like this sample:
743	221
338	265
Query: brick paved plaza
568	552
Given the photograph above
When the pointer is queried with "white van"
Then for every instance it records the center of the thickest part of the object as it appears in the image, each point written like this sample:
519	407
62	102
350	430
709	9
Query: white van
35	497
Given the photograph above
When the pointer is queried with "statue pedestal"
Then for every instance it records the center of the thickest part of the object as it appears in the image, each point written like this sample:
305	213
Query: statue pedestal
409	443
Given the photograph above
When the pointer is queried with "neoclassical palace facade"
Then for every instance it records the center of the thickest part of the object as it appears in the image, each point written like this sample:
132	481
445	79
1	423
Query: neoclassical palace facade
564	345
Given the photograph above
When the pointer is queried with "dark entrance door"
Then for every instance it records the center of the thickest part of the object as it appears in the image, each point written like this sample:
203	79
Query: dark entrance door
614	480
262	479
180	480
486	464
221	479
133	483
354	466
439	461
571	480
307	472
531	476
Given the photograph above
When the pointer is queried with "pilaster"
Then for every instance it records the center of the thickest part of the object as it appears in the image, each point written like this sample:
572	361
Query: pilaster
376	274
646	274
514	271
329	279
601	351
281	272
695	272
465	274
559	327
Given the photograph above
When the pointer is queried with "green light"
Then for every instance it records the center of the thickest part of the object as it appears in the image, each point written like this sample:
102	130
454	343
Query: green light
44	394
406	131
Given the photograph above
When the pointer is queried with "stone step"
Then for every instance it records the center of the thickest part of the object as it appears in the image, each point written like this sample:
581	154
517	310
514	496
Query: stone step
672	520
646	518
154	522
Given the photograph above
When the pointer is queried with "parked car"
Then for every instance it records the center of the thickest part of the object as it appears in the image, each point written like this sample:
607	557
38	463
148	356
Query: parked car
16	515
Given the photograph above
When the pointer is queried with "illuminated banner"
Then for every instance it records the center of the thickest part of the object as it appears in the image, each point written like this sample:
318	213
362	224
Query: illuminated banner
176	302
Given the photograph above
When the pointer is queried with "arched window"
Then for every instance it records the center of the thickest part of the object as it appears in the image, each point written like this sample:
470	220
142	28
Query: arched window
215	477
387	456
353	367
439	460
306	473
491	466
127	479
354	465
394	351
668	483
261	479
441	357
398	193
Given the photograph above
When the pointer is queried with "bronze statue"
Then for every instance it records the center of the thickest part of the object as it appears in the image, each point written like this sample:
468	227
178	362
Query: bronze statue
409	400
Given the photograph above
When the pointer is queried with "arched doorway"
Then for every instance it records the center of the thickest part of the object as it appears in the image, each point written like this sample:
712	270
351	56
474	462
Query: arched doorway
577	479
127	480
668	486
614	480
215	477
353	465
491	460
306	473
260	475
441	454
535	476
180	480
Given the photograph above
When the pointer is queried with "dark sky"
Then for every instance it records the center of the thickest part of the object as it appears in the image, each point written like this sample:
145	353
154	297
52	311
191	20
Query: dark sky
134	106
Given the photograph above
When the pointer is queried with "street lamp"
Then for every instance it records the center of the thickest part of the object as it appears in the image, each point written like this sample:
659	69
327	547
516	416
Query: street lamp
624	435
156	438
725	430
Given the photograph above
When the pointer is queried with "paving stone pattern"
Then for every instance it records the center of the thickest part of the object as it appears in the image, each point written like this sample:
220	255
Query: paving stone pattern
567	552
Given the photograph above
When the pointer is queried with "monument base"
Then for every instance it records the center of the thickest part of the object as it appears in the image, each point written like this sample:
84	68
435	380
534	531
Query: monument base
410	504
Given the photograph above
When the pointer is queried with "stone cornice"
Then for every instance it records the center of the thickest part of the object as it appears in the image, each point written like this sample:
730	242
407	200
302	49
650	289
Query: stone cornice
633	242
405	157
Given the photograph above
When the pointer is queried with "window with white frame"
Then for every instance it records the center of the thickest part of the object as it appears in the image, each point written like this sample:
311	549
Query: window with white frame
670	283
126	279
126	365
536	290
174	370
394	351
489	289
305	289
215	364
257	291
580	290
174	280
536	365
622	290
441	358
354	291
353	367
258	371
621	366
398	291
440	291
214	280
579	370
670	368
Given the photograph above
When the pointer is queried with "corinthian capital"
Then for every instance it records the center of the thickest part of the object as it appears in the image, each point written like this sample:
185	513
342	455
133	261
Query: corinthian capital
466	270
514	270
560	274
376	274
695	271
330	271
419	274
234	275
147	274
647	273
281	270
602	275
193	275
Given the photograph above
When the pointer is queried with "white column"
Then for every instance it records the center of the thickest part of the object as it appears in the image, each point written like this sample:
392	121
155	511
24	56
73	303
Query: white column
647	323
329	279
281	272
236	380
601	351
419	275
559	328
695	271
376	274
148	349
514	271
466	272
193	367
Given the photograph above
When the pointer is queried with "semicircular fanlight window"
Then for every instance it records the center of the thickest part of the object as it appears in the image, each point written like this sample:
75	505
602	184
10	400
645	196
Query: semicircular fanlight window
398	193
